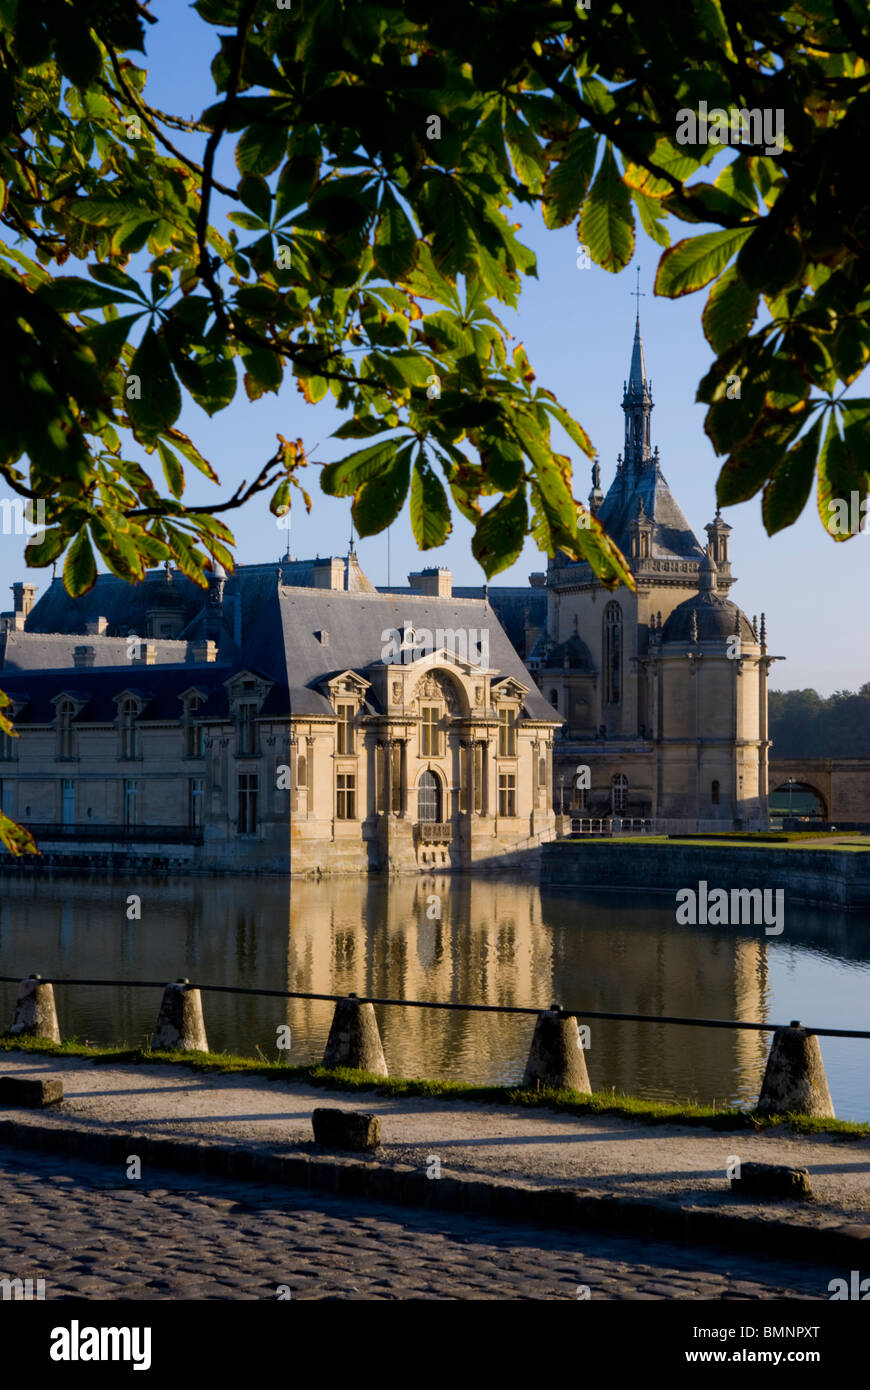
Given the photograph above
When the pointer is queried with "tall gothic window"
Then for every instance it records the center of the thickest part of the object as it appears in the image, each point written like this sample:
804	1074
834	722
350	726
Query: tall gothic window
429	740
619	793
507	733
612	655
345	729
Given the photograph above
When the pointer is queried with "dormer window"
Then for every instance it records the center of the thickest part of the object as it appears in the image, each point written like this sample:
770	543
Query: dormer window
130	739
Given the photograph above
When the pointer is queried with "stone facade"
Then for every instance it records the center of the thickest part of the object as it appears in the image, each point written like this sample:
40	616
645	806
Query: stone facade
664	689
296	721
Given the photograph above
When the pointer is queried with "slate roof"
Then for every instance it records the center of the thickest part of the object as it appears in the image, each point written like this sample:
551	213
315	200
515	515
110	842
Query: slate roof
672	536
278	627
513	606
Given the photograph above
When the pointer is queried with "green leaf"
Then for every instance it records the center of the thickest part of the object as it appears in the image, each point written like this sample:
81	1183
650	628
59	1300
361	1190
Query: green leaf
185	446
345	478
729	312
500	534
567	182
172	469
79	569
261	148
430	510
697	260
527	157
448	214
502	461
69	293
378	503
574	431
254	193
840	475
606	224
786	494
48	549
395	240
295	183
152	395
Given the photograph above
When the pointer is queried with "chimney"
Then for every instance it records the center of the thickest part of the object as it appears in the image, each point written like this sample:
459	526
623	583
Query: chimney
83	656
328	574
97	627
147	654
23	598
203	650
434	582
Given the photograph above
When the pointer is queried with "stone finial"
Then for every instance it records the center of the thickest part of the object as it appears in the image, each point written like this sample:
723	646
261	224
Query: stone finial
763	630
737	621
755	626
694	626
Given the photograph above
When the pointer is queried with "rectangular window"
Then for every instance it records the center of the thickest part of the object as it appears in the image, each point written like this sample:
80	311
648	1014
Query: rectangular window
7	747
67	801
345	796
130	747
429	732
507	794
249	784
247	729
194	740
131	791
65	745
479	767
345	729
194	801
507	733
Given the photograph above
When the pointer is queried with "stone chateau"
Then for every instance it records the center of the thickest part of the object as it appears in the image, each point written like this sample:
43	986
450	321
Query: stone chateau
663	691
296	719
291	719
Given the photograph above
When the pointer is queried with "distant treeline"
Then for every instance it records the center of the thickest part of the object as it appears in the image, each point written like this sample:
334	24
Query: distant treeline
806	724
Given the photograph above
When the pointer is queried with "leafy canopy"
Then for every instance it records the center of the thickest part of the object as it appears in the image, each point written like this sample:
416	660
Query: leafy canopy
379	149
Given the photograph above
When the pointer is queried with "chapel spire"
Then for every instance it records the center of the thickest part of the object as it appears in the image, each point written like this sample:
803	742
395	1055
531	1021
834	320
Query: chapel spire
637	403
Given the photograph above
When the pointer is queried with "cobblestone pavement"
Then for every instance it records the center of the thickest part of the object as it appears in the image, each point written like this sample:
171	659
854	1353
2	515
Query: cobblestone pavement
91	1232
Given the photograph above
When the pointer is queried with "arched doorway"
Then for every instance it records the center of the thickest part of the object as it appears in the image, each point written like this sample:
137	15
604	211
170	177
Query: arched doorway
428	798
798	799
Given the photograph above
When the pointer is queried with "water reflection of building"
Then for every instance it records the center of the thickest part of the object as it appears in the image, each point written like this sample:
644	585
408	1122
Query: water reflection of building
496	941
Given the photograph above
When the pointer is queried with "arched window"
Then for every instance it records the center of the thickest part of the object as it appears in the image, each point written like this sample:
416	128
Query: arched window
612	654
618	793
429	797
301	772
714	793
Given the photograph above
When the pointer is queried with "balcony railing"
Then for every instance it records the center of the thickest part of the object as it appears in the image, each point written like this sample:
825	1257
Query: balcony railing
434	831
128	834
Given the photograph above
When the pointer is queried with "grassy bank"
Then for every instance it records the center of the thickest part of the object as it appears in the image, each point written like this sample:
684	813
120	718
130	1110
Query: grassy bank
345	1079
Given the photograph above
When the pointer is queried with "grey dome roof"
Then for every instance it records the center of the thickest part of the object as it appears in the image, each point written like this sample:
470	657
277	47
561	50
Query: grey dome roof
717	620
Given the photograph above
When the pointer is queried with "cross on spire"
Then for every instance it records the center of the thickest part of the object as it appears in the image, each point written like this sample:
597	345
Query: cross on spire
638	293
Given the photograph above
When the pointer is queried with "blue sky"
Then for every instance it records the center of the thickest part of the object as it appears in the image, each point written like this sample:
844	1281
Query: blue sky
577	327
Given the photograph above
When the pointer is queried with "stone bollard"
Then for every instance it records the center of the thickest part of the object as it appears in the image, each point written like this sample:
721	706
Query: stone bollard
35	1011
555	1057
794	1079
180	1026
346	1129
354	1040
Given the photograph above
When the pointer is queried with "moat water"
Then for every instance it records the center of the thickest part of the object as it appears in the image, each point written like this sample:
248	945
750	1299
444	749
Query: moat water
470	939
